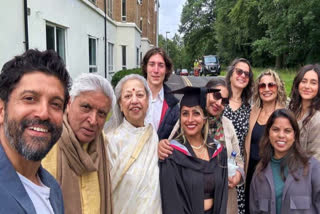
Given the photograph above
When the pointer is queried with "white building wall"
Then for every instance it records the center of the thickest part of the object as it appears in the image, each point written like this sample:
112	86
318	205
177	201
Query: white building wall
127	35
12	34
145	46
81	19
112	38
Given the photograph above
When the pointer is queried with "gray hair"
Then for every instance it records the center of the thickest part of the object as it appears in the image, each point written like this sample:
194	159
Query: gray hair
118	91
94	82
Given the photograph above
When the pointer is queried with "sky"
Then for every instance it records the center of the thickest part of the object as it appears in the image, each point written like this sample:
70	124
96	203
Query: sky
169	19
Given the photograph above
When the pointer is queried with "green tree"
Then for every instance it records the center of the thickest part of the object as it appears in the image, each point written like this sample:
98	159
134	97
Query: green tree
237	26
176	50
292	34
197	21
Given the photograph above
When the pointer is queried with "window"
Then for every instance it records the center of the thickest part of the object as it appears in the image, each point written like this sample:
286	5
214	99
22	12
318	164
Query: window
55	37
139	1
92	55
110	57
141	23
124	11
124	57
137	55
110	5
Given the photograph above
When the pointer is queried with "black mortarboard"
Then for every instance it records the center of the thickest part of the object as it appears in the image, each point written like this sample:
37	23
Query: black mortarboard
194	96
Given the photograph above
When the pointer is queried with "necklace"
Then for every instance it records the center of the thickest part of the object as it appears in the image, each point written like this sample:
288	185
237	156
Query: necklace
236	101
201	154
197	147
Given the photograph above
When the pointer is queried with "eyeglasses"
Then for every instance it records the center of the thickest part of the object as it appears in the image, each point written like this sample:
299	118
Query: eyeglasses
240	72
271	86
217	96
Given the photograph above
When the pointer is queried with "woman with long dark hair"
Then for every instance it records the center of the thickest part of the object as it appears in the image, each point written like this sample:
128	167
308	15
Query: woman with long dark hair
239	80
305	104
286	180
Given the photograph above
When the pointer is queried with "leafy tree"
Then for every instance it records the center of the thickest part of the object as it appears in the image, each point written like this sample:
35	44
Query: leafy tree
176	50
197	21
292	34
237	26
270	32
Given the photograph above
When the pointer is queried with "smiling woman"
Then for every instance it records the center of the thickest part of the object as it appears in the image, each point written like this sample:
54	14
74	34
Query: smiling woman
268	95
198	162
286	179
305	103
132	151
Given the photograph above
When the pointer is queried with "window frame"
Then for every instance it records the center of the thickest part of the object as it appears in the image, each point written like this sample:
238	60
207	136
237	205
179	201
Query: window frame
124	10
56	40
124	57
93	67
110	57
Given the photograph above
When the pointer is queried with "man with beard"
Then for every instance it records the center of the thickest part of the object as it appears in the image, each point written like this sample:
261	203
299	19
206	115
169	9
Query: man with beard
79	160
33	96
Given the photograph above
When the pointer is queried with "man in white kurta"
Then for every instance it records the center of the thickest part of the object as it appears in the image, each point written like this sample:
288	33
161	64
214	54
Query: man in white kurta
138	190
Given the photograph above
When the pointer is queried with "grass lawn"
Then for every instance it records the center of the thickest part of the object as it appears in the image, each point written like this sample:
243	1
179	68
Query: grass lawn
287	76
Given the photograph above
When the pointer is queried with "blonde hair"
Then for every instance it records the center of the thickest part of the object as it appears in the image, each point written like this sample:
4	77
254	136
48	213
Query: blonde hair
281	94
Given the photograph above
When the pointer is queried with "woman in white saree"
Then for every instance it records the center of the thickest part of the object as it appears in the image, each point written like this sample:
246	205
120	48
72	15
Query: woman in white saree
132	151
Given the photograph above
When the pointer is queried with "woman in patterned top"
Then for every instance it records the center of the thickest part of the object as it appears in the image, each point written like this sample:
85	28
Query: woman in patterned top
239	81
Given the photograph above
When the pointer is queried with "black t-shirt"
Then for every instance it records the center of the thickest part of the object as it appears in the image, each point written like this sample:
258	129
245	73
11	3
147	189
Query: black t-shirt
257	133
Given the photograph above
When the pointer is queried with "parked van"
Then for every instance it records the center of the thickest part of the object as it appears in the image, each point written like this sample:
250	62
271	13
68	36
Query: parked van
210	65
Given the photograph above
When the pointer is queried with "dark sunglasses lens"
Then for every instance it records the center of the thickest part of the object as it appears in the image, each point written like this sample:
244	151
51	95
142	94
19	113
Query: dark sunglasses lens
239	71
216	95
272	85
262	86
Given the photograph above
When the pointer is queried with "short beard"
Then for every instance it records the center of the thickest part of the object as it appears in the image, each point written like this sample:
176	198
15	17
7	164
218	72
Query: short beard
39	147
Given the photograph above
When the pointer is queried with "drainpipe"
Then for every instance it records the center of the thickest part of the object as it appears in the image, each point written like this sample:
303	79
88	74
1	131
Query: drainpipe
157	31
105	40
26	29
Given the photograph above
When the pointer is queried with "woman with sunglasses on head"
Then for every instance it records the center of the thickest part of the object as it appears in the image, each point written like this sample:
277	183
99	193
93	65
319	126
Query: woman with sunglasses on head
269	95
305	104
193	180
239	80
286	179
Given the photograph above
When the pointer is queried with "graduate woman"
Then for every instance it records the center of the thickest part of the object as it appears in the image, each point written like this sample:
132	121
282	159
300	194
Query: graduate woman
194	179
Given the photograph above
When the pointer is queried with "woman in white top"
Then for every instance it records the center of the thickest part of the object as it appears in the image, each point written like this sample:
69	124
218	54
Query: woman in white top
132	151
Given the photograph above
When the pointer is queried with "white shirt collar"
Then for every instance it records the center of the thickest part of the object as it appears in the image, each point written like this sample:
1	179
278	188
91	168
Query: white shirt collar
161	94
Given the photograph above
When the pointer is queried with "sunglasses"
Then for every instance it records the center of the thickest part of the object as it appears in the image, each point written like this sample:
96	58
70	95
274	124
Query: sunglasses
217	96
270	85
240	72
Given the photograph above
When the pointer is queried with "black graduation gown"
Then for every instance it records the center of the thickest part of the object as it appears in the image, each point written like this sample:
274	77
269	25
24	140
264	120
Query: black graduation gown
181	180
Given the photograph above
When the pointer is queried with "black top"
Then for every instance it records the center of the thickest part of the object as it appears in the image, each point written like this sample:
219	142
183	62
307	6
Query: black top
171	116
182	177
209	183
257	133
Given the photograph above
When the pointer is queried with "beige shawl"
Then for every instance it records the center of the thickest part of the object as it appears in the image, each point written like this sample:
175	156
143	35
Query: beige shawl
73	161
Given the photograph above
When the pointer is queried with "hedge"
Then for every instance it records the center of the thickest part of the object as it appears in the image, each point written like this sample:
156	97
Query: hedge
120	74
